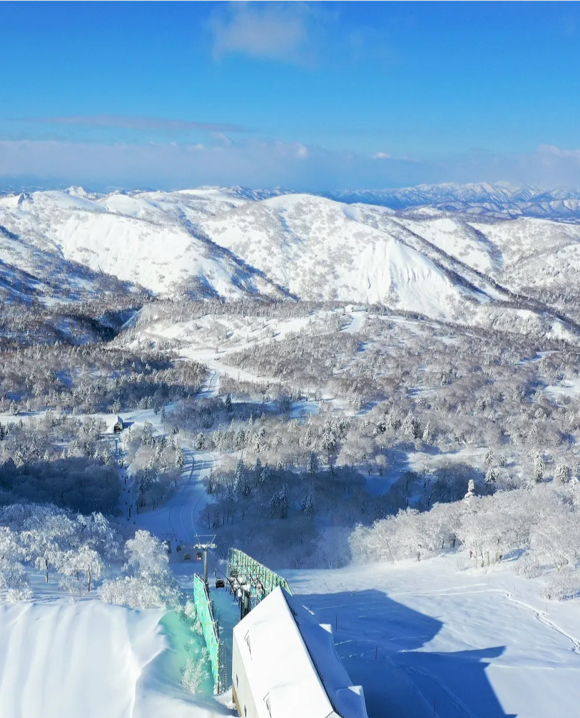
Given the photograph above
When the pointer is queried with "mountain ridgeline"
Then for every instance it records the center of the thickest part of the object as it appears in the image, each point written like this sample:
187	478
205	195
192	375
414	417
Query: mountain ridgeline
493	256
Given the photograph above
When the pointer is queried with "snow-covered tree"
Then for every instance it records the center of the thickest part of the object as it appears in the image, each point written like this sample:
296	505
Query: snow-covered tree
313	464
307	505
470	490
539	466
146	554
81	567
562	474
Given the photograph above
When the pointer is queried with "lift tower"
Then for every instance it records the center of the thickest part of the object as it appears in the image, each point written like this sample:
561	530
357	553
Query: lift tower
204	544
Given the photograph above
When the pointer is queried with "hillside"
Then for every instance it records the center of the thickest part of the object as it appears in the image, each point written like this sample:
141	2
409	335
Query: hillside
135	239
407	415
510	274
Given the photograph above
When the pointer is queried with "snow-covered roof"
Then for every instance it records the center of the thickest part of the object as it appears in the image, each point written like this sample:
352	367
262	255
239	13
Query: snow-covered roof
111	420
290	659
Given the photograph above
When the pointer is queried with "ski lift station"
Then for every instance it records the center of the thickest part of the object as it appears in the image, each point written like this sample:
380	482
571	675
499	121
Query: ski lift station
284	665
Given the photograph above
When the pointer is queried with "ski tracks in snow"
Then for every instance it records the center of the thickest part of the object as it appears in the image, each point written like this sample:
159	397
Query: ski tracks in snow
440	697
540	615
543	619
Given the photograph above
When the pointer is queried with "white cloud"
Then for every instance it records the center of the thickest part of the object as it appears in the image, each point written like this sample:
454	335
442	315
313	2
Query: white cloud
255	163
552	151
272	31
259	163
381	156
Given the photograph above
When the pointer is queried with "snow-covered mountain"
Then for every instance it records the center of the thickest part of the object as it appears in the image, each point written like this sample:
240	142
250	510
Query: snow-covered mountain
30	272
231	243
322	250
501	199
144	239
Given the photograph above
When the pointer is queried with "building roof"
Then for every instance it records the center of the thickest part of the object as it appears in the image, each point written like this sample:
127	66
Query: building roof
290	660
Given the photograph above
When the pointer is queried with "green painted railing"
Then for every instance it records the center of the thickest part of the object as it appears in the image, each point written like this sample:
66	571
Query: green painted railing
261	579
210	629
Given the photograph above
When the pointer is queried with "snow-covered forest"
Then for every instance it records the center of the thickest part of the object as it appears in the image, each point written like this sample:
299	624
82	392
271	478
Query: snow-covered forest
77	553
326	417
315	431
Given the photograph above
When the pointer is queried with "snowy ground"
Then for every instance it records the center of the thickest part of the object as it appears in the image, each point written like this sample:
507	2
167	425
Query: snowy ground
426	639
65	659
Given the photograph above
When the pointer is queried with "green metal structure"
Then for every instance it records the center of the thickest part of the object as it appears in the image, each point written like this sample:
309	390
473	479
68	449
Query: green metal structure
216	648
260	580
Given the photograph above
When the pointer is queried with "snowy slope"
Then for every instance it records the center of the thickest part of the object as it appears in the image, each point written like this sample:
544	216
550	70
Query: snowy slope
132	238
28	271
62	659
233	243
535	252
456	237
319	250
322	250
427	639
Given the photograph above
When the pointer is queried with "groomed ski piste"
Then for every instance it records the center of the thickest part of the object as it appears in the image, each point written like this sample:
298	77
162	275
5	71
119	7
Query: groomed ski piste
431	638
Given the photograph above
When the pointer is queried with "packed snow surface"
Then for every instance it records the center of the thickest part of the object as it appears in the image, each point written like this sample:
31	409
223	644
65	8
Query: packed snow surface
64	659
427	639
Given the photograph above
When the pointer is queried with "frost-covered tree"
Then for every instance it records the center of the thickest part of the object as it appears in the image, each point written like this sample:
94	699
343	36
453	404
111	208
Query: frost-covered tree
313	464
146	554
265	475
410	427
81	567
151	583
307	505
43	550
563	474
279	504
539	466
489	458
491	476
428	433
470	490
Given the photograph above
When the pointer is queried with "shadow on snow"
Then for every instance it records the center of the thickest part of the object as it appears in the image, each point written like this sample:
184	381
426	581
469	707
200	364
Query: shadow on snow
381	644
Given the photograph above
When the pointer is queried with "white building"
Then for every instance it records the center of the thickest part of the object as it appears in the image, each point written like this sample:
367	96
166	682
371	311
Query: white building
284	665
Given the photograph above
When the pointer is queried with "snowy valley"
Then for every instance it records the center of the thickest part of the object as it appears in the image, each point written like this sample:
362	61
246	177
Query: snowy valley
376	394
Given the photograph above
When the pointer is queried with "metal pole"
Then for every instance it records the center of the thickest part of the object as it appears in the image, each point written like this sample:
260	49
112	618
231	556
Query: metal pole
205	566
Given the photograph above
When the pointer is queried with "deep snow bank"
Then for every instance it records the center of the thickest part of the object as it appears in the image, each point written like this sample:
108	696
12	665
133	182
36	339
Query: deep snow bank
90	660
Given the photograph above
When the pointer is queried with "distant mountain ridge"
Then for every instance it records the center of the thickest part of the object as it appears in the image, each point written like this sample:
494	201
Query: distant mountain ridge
501	199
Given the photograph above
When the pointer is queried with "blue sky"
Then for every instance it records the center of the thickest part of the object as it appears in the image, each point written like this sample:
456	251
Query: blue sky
308	96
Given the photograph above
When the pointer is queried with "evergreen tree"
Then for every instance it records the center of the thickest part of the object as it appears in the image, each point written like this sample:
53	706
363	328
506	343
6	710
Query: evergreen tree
491	476
470	490
308	505
239	478
539	467
313	464
265	475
